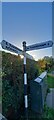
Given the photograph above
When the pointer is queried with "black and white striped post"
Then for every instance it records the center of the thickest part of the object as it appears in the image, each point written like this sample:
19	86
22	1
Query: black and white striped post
25	82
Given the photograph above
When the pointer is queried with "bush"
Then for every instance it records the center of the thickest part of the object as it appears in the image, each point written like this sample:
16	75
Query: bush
12	82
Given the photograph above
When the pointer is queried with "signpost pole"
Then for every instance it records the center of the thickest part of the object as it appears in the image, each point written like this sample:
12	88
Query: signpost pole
25	82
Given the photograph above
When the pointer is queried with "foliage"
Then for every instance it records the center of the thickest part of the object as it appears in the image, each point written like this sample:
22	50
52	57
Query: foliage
50	81
47	63
48	113
32	69
12	80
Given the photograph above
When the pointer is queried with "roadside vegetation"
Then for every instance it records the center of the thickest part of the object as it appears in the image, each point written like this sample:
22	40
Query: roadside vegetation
50	81
13	86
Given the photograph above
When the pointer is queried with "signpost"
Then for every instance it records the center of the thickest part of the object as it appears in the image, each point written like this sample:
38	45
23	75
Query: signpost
7	46
39	46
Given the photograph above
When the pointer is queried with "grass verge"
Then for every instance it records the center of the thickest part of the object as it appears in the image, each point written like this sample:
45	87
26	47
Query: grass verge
50	81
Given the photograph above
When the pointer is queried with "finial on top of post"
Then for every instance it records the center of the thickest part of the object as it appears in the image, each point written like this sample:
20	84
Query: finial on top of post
24	45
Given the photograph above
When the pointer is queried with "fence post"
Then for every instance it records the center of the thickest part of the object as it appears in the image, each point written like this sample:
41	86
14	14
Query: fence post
25	82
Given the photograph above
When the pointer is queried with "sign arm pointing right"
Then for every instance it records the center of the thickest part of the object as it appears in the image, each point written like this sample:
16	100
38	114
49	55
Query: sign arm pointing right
39	46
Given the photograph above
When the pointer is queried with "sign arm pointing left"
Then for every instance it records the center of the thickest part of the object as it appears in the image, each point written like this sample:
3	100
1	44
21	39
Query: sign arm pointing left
8	46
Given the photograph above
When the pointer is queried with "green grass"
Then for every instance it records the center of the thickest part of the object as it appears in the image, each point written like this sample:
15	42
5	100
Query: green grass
50	81
48	113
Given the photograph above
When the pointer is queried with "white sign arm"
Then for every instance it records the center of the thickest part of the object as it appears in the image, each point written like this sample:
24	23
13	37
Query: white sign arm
39	46
7	46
